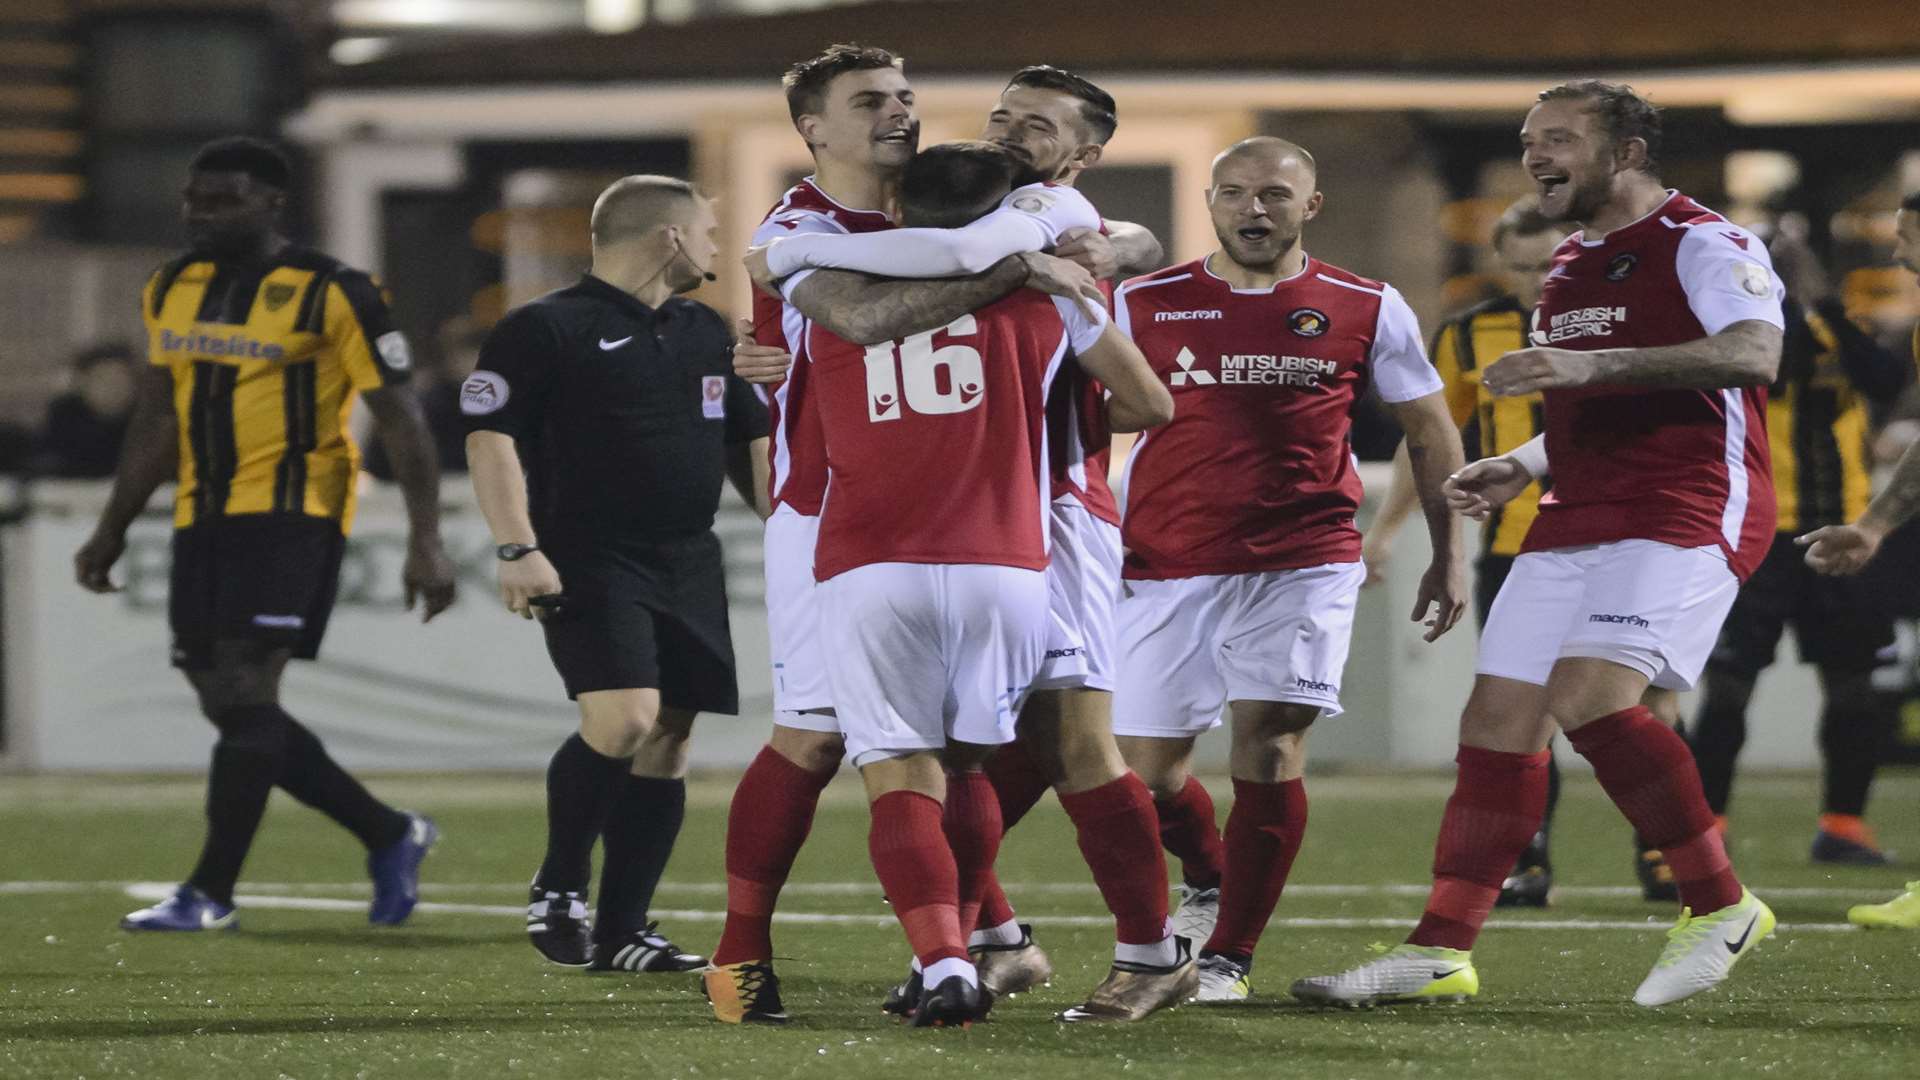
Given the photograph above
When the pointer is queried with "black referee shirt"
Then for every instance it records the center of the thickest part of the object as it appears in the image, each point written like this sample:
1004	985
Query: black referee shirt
621	412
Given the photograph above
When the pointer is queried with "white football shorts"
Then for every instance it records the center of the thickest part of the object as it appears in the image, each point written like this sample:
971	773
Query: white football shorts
1083	586
922	654
1639	603
1190	645
793	623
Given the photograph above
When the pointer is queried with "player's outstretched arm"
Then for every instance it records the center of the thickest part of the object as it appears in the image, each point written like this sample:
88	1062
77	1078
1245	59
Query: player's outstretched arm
427	574
865	309
1434	453
1136	399
1847	549
970	249
148	456
1747	353
500	487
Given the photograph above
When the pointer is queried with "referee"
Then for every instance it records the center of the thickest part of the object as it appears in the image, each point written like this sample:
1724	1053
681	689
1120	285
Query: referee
600	421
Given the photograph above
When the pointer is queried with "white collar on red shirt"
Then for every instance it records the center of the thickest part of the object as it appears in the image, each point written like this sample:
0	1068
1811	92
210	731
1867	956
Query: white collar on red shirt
1648	216
1206	265
814	183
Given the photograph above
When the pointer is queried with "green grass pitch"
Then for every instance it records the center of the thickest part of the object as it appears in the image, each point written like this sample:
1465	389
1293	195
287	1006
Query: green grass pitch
306	990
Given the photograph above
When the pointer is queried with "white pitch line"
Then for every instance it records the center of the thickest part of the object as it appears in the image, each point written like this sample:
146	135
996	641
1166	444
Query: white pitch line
153	891
1015	889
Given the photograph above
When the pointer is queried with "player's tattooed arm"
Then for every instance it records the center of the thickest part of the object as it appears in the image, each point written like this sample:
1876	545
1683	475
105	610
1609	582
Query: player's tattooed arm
148	456
865	309
1747	353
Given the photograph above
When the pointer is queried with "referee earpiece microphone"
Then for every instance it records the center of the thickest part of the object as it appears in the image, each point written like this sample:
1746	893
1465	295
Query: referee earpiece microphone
708	274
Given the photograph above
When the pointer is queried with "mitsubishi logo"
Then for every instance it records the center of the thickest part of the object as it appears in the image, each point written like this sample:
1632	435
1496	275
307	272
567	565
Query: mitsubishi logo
1186	374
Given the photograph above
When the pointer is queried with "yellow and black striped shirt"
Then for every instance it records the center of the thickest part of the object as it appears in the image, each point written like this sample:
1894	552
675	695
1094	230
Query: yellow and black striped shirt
1490	425
267	359
1817	416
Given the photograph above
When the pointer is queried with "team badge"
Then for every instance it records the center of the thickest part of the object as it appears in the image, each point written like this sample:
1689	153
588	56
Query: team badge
713	397
1308	322
1621	265
1031	202
1753	278
277	294
484	392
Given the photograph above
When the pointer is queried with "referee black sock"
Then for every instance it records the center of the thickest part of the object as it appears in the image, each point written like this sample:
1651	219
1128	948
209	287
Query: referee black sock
1850	729
582	784
638	841
312	776
246	761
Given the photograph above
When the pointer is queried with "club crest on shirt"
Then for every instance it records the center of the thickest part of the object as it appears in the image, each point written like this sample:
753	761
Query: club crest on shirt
277	294
1621	265
1031	202
1308	322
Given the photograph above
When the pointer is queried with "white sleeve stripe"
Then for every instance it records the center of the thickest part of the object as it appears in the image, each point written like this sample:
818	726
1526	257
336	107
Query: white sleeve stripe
1350	285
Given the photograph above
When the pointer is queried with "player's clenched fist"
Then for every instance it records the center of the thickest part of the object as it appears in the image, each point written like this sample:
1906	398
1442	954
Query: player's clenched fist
1485	486
1529	371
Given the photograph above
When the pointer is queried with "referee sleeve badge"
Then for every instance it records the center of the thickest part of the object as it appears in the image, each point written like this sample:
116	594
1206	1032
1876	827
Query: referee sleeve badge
484	392
713	397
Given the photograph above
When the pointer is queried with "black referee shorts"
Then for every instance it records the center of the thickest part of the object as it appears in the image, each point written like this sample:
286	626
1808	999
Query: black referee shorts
1833	618
269	578
645	616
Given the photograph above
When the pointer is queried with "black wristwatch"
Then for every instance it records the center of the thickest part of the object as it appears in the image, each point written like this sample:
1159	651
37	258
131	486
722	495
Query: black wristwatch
515	552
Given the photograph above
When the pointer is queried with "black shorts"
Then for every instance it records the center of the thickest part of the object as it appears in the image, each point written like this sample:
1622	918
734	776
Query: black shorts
645	616
1489	573
1834	619
267	578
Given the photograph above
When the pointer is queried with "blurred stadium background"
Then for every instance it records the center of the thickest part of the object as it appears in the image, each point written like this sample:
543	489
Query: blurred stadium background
453	147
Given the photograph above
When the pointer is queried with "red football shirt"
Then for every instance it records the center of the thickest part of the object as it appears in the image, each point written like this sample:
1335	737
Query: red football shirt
797	474
936	449
1684	467
1255	472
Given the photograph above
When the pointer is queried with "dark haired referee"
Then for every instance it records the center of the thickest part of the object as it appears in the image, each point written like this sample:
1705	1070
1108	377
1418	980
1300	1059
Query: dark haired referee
601	419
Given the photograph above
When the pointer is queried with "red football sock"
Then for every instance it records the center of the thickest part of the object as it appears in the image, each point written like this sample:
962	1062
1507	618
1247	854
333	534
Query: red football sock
1263	835
972	824
1119	839
916	870
1188	830
1018	781
1497	803
768	821
1648	772
995	908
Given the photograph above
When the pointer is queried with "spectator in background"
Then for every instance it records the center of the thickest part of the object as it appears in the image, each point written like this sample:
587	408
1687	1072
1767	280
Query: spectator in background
81	436
437	383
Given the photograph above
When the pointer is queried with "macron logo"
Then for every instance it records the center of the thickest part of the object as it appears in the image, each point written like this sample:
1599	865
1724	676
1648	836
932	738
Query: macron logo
1634	621
1186	374
1183	316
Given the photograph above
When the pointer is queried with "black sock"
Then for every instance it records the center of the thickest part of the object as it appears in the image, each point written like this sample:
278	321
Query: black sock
1850	729
1719	732
246	761
638	840
312	776
582	784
